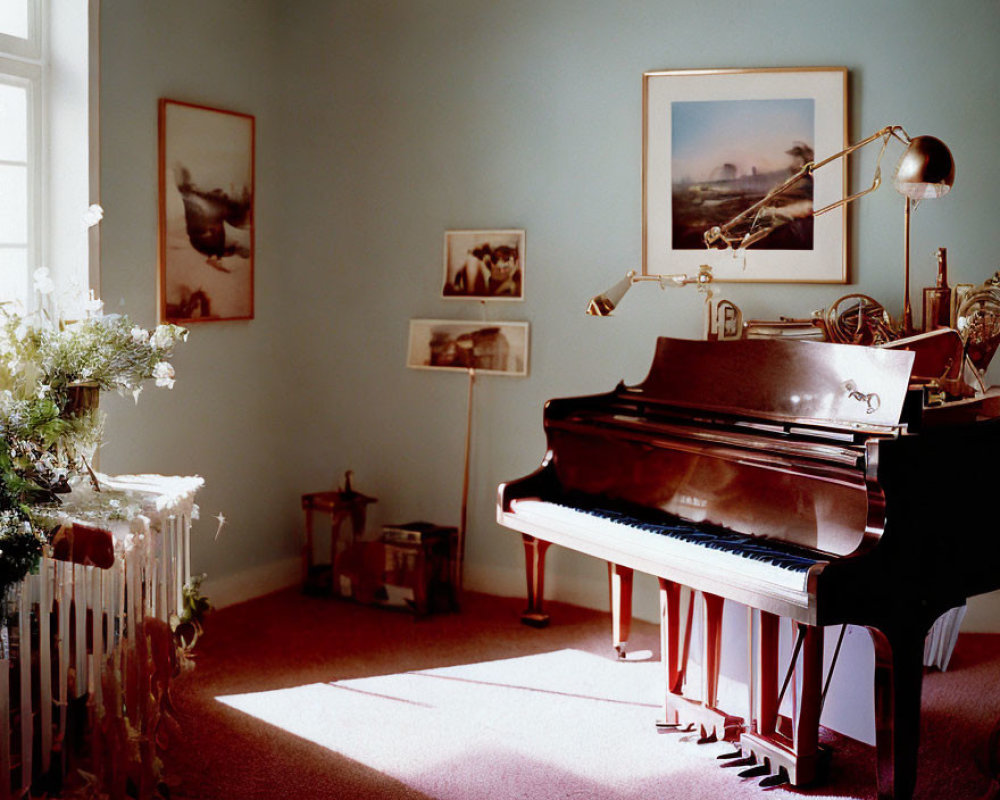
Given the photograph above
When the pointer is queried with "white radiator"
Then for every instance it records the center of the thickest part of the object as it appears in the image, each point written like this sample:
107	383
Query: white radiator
73	636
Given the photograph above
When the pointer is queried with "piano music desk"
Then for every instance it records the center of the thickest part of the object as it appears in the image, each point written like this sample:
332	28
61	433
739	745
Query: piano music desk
342	507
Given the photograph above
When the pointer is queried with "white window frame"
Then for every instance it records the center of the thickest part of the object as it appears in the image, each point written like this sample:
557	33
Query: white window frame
21	65
63	179
30	48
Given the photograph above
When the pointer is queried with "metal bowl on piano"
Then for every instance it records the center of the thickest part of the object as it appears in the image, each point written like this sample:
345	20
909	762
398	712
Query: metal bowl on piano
978	321
811	480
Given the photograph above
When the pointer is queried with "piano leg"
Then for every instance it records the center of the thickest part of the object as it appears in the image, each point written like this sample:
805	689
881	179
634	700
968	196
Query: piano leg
670	654
899	675
620	580
680	711
534	564
712	606
786	745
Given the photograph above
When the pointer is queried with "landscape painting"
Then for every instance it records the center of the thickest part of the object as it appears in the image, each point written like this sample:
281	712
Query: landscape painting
716	142
727	155
206	231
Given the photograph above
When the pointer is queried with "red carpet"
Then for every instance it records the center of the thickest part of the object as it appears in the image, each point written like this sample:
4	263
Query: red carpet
363	702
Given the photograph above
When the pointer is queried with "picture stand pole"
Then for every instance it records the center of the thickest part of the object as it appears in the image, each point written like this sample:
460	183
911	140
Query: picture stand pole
460	546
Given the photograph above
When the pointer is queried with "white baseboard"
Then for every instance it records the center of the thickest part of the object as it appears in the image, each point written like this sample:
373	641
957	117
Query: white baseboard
231	589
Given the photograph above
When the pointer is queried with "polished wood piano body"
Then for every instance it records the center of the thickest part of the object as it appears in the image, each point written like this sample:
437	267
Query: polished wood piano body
805	480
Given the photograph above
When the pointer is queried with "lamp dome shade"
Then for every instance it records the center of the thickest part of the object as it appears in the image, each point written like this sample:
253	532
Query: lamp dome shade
926	170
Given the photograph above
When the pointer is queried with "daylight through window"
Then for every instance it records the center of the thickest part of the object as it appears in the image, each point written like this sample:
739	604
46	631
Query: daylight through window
20	170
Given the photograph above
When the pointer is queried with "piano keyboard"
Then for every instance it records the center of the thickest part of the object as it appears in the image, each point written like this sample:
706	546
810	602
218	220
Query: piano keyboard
745	560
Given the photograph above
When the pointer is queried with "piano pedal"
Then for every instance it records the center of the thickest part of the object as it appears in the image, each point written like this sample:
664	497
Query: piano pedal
673	727
756	772
779	778
749	761
707	738
737	753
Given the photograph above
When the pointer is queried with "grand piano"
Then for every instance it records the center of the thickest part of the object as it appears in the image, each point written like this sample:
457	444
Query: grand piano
809	480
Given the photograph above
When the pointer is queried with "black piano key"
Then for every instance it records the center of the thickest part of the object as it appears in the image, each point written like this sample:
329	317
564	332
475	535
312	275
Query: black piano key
780	554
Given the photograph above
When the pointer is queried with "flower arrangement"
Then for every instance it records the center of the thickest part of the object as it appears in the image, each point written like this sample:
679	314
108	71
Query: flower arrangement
51	371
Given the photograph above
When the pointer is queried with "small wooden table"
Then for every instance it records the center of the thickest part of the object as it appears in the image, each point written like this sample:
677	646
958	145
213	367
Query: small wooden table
341	506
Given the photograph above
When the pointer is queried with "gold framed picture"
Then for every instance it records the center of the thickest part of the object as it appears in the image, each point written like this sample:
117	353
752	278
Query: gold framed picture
483	265
715	142
490	348
206	225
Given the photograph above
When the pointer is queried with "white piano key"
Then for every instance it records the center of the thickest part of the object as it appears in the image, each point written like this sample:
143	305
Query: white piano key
665	549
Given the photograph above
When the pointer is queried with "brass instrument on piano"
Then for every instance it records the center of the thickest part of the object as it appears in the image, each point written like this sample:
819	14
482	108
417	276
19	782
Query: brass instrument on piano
809	480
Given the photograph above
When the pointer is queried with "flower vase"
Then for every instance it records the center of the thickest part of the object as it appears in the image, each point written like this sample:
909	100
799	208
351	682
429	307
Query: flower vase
81	398
83	435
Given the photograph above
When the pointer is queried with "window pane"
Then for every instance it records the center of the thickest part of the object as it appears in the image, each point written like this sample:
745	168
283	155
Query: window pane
14	18
14	275
13	205
13	123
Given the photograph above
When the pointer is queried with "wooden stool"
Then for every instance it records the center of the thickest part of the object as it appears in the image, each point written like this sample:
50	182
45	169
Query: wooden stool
341	506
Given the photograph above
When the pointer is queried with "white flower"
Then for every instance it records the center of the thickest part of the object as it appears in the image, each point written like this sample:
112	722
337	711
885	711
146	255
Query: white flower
93	215
43	390
163	337
43	281
164	374
140	335
94	305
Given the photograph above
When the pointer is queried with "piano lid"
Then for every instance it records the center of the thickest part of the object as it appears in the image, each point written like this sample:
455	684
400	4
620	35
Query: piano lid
790	381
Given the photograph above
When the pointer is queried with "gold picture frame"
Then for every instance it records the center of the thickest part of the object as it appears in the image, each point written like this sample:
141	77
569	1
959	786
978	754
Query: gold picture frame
206	213
490	348
713	140
483	265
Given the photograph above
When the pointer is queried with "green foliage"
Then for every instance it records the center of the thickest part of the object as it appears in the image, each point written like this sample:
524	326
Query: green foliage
39	359
50	375
20	550
195	605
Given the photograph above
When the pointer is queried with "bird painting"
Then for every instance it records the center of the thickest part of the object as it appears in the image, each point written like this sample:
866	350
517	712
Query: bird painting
212	219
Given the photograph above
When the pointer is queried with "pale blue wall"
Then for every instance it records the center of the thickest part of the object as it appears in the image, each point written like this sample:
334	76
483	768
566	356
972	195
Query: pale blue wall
229	416
410	118
382	123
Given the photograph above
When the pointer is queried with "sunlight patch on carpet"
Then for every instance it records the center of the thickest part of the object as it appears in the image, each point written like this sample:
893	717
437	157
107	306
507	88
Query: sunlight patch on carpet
553	719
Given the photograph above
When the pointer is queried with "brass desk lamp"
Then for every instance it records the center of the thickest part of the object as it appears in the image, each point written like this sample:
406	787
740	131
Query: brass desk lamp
603	304
926	170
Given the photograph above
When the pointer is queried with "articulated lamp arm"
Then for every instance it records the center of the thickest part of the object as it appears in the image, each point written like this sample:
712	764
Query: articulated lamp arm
603	304
723	236
926	170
